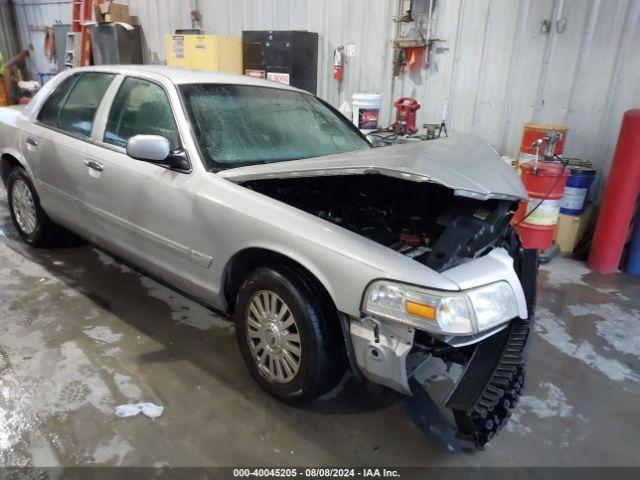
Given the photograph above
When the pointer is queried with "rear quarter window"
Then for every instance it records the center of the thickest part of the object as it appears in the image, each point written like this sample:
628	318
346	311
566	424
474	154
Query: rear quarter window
51	109
83	101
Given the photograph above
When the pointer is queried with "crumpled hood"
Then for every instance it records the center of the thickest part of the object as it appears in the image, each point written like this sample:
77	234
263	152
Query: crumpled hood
464	163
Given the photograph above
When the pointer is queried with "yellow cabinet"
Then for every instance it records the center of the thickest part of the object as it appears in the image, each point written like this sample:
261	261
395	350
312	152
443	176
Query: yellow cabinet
205	52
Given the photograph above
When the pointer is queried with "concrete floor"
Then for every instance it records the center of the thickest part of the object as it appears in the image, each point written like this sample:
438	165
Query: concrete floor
81	334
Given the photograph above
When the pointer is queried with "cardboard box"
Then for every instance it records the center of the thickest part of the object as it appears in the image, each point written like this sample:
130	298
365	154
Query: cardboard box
572	228
111	12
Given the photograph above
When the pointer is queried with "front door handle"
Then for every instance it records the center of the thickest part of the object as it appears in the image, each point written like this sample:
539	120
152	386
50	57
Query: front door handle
93	164
32	141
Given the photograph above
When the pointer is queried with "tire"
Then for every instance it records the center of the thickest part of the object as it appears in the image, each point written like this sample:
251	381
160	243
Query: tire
29	219
307	333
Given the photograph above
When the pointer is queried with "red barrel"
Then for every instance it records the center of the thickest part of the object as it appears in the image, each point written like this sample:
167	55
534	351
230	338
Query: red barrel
619	199
545	186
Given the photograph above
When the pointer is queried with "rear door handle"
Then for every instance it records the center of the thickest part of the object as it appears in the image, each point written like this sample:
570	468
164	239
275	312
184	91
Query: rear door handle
32	141
93	164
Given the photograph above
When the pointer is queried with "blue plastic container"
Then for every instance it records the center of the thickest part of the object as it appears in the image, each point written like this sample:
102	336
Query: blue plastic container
576	190
633	260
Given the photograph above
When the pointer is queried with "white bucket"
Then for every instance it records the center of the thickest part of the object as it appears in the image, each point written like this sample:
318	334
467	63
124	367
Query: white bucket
366	111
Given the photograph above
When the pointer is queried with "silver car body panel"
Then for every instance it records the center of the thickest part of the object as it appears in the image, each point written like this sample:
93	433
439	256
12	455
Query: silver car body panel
465	163
381	350
186	227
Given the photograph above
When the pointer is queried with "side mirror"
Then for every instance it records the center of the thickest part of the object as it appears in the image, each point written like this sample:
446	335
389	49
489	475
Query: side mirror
156	149
149	148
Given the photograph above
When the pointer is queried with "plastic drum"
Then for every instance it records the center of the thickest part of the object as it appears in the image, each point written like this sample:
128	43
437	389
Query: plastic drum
574	198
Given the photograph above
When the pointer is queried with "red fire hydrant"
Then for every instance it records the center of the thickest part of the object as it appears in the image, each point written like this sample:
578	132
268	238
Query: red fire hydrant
405	116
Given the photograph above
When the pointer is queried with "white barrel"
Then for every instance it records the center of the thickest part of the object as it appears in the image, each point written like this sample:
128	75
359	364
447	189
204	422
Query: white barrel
366	111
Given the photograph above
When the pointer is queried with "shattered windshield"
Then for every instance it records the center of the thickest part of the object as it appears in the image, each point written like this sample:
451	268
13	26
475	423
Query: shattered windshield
238	125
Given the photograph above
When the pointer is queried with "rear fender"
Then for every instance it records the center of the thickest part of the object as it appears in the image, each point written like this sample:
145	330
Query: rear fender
5	153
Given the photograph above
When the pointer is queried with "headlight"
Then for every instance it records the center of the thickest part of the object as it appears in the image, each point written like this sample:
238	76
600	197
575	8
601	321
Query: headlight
456	313
493	304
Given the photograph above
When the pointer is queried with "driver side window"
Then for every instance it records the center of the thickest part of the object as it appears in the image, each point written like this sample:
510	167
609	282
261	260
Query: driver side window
140	108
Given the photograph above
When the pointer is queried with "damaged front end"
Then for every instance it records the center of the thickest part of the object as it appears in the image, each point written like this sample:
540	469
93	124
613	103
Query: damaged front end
494	375
492	362
448	206
470	242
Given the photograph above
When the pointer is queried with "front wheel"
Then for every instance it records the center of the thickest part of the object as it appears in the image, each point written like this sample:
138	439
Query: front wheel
286	336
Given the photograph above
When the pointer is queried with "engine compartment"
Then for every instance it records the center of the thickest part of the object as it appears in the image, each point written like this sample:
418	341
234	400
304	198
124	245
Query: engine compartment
422	220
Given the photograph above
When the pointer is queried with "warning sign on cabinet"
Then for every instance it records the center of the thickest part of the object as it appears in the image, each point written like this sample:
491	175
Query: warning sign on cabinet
278	77
177	45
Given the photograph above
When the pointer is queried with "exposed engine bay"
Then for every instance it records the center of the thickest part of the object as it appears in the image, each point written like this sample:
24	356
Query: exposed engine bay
424	221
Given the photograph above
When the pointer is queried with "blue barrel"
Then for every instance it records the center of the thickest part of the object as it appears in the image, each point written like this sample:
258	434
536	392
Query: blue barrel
633	260
574	198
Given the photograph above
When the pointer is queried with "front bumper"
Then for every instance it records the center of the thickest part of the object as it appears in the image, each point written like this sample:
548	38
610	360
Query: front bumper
494	370
381	350
381	346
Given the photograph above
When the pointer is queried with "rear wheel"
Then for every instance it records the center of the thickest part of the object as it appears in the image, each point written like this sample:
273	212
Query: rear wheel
286	337
30	220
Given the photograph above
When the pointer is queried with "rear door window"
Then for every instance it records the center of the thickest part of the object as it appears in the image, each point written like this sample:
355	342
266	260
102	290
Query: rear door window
82	103
140	108
49	113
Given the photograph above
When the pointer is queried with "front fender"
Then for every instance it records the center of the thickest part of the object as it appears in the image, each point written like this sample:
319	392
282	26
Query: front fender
344	279
232	218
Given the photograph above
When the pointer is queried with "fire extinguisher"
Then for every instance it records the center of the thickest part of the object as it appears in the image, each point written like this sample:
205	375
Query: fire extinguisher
338	64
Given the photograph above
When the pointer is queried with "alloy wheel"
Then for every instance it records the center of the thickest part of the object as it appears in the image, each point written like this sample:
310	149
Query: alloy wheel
24	208
274	337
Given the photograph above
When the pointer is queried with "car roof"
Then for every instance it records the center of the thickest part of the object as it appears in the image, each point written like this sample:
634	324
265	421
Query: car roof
181	76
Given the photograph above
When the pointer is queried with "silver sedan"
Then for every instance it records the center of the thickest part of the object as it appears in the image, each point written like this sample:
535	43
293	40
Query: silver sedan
264	202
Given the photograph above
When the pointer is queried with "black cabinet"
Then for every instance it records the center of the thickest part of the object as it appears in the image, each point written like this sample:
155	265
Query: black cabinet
289	57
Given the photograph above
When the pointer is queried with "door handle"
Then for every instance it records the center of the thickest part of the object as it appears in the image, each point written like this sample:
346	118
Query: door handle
94	165
32	141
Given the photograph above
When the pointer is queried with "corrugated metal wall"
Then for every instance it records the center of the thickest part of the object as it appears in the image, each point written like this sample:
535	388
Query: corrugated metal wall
39	13
365	22
493	70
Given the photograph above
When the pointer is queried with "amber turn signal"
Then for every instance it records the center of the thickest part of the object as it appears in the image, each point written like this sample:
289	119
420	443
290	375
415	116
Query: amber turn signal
419	310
